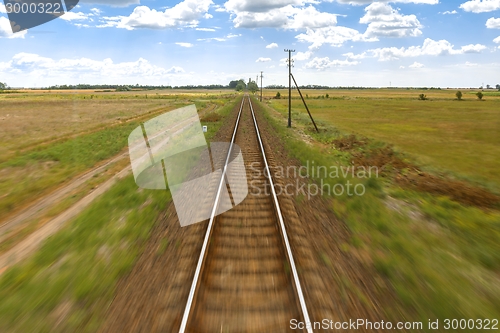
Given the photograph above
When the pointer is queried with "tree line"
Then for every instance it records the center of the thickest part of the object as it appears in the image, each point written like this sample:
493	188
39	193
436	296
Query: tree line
238	85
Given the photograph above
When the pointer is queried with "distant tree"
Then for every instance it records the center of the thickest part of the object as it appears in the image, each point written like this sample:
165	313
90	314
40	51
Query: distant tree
123	88
327	96
278	95
252	86
479	95
498	87
488	86
241	86
3	86
233	84
422	97
459	95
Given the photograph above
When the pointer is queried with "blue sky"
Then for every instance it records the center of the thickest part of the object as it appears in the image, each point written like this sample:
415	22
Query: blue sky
337	43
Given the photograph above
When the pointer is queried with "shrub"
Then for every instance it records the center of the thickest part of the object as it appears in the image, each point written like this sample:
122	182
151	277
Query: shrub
479	95
459	95
278	95
422	97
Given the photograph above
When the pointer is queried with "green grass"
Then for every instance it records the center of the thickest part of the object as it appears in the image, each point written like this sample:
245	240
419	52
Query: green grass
31	174
28	176
443	264
69	283
460	137
78	268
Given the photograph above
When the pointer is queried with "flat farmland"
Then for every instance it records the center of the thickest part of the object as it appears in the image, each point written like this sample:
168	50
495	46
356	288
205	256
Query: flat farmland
33	117
440	133
50	137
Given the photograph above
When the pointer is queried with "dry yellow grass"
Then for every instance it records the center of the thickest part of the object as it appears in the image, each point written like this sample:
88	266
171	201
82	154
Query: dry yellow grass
30	118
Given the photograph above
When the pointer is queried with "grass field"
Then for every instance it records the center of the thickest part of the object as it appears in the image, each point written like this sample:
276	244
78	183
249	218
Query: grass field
52	137
30	118
69	283
440	257
441	133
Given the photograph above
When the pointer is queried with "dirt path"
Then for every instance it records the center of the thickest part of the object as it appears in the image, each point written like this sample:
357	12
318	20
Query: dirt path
38	207
41	205
34	240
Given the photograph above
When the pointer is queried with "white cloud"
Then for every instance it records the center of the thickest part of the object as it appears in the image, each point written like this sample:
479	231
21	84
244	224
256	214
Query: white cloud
113	3
334	36
470	64
6	30
365	2
300	56
324	63
453	12
271	46
75	16
416	65
80	25
184	44
385	21
261	59
206	29
2	9
401	67
472	48
217	39
30	64
481	6
351	55
429	48
175	70
493	23
309	17
286	14
259	6
208	16
497	40
185	13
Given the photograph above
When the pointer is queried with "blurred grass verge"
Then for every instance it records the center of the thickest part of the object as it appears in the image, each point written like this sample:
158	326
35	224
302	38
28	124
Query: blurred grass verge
69	283
441	258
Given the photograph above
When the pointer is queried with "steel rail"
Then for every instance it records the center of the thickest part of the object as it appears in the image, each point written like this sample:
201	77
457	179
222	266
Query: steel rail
204	247
194	284
283	230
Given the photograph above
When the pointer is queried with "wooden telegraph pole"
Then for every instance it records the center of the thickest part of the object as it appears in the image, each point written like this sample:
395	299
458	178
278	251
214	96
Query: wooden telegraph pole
261	85
290	65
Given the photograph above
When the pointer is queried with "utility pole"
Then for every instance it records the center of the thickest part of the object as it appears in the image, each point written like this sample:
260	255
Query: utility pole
261	85
290	65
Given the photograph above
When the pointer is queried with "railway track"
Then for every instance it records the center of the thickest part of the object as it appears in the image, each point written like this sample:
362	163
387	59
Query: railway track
245	279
